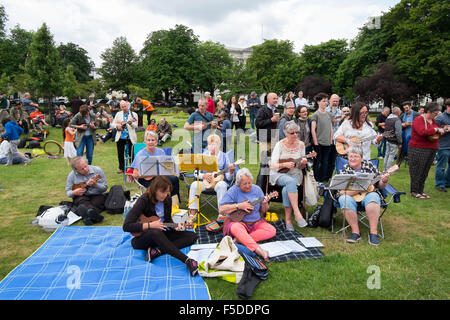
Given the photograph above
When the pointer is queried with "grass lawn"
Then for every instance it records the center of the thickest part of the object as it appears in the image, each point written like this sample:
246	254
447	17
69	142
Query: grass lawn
413	259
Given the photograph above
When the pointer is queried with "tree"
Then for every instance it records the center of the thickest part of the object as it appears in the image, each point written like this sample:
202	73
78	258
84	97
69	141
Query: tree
3	19
422	47
43	65
119	67
77	57
312	85
384	85
275	66
70	83
323	59
14	50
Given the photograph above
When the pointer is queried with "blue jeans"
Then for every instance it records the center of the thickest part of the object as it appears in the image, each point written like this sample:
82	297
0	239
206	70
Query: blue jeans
289	185
347	202
320	166
88	142
442	175
382	148
253	117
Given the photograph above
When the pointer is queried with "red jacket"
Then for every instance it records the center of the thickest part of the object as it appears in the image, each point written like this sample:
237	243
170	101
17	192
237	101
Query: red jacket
419	134
211	106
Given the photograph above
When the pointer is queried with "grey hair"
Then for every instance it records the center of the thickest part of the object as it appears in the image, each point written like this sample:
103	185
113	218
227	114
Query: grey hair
290	126
356	149
76	161
150	133
243	172
396	110
289	104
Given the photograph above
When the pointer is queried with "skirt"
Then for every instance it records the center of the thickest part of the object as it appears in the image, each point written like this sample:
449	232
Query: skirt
69	150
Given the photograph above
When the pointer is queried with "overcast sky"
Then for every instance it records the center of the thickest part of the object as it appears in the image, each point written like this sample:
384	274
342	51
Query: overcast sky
93	25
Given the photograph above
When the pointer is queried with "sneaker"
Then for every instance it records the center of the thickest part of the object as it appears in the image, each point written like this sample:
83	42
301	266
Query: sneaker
374	240
302	223
152	254
354	237
442	189
289	227
192	266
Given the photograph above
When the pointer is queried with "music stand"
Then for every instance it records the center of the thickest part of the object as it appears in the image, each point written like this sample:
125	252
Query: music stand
195	162
157	166
350	182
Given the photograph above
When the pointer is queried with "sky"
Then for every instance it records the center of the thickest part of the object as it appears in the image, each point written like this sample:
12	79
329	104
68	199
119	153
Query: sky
94	25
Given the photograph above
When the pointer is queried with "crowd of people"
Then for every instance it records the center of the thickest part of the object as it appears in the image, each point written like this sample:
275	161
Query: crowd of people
285	139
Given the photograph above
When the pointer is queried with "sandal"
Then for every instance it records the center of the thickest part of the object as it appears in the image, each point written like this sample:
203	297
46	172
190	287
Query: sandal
418	196
425	196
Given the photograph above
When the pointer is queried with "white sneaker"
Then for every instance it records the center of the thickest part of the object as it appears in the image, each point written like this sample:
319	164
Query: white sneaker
302	223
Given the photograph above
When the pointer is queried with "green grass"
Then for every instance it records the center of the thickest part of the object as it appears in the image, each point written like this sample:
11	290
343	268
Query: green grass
413	258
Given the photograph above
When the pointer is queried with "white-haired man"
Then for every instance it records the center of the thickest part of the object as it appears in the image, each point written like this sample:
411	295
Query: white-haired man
200	122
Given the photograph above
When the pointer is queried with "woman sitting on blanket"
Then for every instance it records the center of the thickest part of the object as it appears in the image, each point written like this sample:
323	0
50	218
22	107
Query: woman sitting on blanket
252	228
154	237
151	140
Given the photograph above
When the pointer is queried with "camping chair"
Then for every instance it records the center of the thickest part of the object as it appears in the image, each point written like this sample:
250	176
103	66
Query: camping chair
388	194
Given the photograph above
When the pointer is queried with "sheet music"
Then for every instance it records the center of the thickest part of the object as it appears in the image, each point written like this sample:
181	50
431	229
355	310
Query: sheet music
278	248
356	182
157	165
204	246
310	242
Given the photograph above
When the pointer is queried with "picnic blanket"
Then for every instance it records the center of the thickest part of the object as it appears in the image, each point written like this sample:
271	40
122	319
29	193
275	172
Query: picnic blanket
99	263
205	236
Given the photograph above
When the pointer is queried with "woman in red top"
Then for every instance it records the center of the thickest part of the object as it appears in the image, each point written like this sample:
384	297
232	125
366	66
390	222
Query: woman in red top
422	148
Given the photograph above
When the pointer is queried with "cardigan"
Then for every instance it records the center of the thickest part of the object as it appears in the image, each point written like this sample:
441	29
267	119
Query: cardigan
419	134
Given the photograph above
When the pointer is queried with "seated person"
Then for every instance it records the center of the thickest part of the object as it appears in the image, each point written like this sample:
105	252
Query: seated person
89	198
154	237
12	134
18	158
221	187
164	131
38	118
152	126
151	139
253	227
61	114
289	148
371	201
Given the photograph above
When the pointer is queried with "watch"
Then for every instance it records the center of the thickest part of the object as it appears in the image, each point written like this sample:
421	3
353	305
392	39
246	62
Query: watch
237	205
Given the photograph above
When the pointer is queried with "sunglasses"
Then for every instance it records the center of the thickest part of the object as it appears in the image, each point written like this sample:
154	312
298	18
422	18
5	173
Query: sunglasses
295	132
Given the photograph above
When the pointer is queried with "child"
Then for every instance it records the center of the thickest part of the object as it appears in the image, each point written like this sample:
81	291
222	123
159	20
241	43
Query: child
68	136
152	126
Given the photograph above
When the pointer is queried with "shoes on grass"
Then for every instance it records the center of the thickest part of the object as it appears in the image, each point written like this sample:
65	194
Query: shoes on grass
354	237
374	240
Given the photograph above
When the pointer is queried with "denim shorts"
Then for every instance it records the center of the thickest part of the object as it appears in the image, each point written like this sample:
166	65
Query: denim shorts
347	202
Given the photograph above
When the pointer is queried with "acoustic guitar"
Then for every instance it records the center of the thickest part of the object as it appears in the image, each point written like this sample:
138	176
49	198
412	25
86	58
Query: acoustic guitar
238	215
84	185
342	147
145	219
360	196
219	176
308	156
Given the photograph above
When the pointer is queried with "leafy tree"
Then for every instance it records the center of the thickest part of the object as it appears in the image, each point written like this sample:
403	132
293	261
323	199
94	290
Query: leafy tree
119	67
43	65
70	83
422	47
312	85
323	59
275	66
384	85
94	86
5	83
3	19
77	57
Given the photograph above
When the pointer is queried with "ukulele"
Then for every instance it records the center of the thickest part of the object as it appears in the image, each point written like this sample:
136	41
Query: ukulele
84	185
342	147
308	156
145	219
360	195
238	215
219	176
436	136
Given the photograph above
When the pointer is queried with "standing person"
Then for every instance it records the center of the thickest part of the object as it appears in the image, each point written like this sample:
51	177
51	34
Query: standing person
154	237
322	134
407	119
4	113
289	98
225	129
68	137
84	121
235	110
12	134
220	104
266	122
200	121
75	104
358	126
211	106
254	103
147	107
289	110
28	104
164	131
126	123
336	114
114	106
422	148
381	124
243	113
443	155
92	104
393	136
304	123
89	198
300	101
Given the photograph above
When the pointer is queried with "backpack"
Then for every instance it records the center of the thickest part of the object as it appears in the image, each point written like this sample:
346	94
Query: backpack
326	212
116	199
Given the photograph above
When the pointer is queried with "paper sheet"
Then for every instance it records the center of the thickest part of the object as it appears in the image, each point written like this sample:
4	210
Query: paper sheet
310	242
200	255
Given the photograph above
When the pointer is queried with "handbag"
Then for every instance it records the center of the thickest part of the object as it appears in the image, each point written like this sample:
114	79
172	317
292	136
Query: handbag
311	192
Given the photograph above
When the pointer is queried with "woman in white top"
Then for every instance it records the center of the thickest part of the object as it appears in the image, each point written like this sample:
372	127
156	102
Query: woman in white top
289	148
358	126
126	123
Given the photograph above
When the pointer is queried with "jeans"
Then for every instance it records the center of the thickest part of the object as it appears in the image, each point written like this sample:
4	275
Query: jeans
289	185
320	166
88	142
442	175
253	117
382	148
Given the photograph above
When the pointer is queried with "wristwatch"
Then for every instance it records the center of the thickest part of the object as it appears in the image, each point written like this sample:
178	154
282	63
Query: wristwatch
237	205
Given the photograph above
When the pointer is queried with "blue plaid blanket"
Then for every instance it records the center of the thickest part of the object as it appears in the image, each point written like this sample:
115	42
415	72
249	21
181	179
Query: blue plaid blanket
98	263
